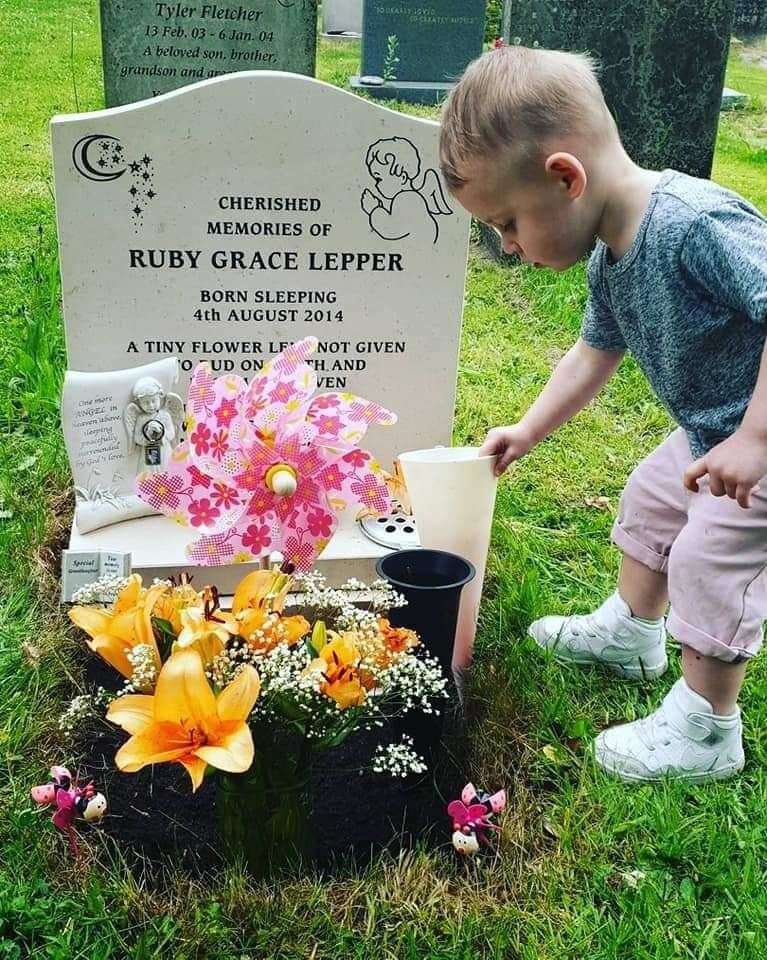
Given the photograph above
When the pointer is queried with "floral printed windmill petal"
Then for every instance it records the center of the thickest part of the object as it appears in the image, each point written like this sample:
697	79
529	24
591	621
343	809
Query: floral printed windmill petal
342	419
356	478
249	538
217	433
192	498
281	388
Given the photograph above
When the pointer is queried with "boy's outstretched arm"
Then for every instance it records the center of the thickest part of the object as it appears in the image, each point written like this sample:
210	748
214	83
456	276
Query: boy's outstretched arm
575	381
736	465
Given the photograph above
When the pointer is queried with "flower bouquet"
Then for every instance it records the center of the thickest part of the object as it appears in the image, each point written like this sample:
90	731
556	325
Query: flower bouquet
254	694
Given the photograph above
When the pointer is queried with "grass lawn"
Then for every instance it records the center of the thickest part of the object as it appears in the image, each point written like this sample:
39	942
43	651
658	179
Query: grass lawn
587	867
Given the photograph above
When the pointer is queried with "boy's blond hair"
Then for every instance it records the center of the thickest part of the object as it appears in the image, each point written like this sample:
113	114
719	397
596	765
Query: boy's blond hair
520	100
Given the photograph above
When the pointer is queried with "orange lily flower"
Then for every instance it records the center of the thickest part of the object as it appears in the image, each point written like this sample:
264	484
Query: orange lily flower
397	639
338	663
259	595
185	722
176	600
113	632
206	629
207	636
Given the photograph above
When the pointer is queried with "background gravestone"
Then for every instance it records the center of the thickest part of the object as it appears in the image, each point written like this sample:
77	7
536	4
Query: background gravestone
342	18
750	16
419	50
150	48
662	67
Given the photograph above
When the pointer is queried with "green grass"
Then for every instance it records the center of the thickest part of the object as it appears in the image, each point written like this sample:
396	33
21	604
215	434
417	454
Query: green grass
587	867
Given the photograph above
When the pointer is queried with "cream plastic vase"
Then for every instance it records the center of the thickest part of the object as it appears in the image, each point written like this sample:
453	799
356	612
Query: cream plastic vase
452	493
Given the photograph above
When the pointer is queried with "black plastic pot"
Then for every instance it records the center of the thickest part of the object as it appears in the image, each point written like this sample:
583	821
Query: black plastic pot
431	581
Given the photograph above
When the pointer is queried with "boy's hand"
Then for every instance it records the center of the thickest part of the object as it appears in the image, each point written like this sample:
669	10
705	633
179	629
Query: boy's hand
734	467
507	444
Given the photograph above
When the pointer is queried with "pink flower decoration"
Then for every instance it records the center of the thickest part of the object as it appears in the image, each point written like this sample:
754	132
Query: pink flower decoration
200	438
328	425
226	412
257	538
244	430
332	477
224	496
327	400
162	491
202	512
320	524
282	393
371	492
298	553
198	478
261	501
202	392
357	458
218	445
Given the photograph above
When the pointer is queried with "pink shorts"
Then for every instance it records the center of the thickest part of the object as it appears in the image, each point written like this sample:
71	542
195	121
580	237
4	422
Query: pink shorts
713	550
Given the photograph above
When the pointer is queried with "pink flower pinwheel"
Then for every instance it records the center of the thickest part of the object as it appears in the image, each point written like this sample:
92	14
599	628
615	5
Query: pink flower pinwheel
267	465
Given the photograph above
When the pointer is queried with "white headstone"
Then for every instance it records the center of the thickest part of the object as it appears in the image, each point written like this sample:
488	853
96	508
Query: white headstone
227	219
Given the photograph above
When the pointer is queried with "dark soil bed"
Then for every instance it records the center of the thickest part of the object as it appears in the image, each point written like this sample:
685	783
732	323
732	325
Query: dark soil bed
156	822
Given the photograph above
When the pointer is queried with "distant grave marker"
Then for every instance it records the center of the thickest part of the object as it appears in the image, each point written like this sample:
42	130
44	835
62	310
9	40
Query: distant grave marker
662	67
150	47
416	52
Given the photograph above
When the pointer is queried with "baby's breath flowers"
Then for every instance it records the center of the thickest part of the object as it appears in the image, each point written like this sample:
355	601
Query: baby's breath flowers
82	708
143	659
104	590
398	759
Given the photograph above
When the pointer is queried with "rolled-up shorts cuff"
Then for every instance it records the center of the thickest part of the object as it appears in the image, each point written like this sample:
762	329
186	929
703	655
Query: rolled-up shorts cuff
703	643
638	551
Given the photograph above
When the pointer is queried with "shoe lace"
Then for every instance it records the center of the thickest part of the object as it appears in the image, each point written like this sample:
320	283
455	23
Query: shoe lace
654	729
586	623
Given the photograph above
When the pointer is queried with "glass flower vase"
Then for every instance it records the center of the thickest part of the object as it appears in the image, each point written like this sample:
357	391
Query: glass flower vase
263	814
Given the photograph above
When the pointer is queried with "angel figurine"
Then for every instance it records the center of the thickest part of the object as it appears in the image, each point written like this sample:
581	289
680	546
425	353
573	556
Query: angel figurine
153	422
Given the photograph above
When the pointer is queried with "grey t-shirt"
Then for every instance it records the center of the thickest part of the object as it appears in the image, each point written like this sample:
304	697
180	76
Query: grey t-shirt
689	301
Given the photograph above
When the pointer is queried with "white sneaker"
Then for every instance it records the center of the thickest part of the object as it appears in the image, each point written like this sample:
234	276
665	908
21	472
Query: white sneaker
682	740
610	637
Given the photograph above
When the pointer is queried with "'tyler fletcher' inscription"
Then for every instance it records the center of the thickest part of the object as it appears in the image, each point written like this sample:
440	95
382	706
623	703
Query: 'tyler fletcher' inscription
151	48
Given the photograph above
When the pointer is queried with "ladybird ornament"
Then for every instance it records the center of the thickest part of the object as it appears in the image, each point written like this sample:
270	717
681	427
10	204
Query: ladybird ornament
71	801
471	817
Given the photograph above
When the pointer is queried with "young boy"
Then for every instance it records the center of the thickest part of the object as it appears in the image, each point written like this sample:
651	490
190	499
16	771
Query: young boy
678	277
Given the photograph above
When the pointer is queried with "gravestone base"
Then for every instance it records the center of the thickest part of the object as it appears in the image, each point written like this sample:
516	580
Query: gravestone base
733	99
157	547
342	35
407	91
491	244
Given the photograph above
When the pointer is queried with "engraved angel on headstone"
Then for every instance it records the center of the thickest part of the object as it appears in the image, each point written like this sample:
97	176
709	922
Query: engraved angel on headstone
153	422
401	206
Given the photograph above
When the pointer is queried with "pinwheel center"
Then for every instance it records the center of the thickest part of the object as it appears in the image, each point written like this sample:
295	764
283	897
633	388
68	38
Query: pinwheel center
281	479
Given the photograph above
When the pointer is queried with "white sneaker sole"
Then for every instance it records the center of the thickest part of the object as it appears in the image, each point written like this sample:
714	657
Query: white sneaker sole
635	670
702	776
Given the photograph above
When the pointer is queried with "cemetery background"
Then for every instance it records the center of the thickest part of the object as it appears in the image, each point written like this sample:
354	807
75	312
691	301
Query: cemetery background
586	866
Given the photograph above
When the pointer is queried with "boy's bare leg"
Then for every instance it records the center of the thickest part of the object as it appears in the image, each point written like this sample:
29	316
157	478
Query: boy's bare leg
646	592
643	589
716	680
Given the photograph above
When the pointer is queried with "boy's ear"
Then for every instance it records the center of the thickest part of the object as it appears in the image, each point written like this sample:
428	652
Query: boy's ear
567	170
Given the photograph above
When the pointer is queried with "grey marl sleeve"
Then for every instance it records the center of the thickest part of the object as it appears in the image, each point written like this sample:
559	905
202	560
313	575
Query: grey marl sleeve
599	329
725	252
